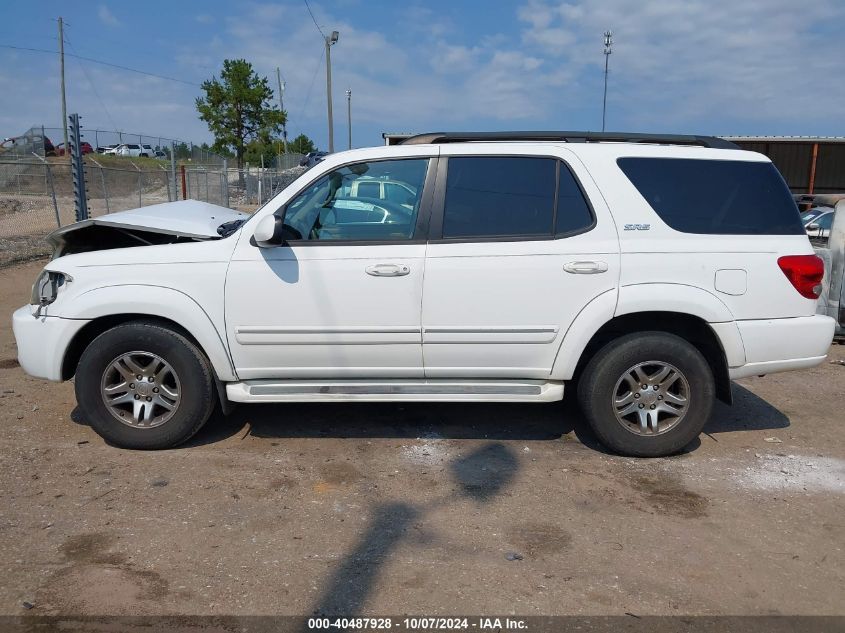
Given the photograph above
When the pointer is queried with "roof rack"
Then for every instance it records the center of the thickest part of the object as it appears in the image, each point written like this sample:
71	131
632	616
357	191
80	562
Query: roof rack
571	137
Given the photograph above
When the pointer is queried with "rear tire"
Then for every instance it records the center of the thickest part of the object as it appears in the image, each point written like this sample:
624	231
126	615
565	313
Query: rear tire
143	386
647	394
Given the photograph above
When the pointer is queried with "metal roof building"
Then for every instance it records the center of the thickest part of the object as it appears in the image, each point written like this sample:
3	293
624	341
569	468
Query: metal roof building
809	164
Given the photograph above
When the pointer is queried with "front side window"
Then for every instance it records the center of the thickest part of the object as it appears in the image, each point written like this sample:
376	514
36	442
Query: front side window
512	196
347	204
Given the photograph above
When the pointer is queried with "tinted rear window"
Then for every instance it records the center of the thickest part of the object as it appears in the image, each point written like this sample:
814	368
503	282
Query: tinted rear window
715	196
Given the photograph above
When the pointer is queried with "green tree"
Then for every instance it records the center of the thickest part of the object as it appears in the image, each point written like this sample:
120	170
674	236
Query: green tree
271	148
182	151
301	145
237	108
258	148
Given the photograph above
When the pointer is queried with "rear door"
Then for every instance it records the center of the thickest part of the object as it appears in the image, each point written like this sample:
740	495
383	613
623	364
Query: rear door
520	242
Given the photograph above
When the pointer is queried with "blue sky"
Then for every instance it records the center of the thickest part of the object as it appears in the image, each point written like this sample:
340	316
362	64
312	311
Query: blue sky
689	66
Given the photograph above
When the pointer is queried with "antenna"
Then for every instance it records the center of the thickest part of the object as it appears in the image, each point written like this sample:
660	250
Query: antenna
608	44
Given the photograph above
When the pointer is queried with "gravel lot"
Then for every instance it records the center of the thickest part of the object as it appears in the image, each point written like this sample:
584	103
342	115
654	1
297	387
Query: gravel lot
424	509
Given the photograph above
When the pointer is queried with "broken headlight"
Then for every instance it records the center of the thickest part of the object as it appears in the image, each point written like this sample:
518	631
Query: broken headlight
46	287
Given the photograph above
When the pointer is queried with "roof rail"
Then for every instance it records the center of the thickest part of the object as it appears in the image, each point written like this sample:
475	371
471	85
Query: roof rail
571	137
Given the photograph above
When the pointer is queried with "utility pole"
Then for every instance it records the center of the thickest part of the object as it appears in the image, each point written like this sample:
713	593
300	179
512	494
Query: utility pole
349	115
330	41
608	42
282	107
62	67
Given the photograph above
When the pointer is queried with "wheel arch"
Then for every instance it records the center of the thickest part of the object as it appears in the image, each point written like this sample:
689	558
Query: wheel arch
107	307
691	328
94	328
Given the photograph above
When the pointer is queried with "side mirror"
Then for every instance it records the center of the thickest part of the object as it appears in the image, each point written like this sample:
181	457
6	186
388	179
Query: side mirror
813	226
268	232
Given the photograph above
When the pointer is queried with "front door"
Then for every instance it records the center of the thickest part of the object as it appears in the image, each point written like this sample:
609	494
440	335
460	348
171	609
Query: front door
341	297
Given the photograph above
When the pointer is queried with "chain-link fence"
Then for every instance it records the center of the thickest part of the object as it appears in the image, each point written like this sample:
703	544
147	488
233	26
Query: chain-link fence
24	146
36	195
49	141
260	185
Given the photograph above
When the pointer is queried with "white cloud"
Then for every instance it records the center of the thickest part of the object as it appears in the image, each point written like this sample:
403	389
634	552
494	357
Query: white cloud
449	58
678	65
706	66
398	82
106	16
676	62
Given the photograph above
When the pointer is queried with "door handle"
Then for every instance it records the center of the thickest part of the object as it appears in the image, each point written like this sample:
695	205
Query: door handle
585	267
387	270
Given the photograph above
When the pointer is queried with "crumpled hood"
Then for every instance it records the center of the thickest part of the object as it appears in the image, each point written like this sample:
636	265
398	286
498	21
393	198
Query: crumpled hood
184	220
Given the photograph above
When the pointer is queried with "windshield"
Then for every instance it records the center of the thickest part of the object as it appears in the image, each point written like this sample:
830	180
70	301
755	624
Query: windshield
810	215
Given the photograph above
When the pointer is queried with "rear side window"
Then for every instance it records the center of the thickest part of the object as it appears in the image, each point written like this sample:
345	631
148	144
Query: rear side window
493	196
573	213
720	197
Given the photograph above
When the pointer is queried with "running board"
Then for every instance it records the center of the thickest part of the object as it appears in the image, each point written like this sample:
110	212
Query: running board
396	390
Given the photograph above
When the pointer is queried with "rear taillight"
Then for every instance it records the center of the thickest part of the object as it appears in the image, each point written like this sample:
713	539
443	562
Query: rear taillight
804	272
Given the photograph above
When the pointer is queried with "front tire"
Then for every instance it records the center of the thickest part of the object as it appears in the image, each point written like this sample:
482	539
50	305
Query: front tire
647	394
143	386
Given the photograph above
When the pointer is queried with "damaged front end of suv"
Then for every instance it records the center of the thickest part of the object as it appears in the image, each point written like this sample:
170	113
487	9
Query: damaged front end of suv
168	223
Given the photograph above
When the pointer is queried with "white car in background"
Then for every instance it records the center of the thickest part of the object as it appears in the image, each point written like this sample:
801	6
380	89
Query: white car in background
134	150
820	225
644	272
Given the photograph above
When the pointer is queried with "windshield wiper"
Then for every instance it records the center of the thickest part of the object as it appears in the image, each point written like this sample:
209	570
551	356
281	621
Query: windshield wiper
227	228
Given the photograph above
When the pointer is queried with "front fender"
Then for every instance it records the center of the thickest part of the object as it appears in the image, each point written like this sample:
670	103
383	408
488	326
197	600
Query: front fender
157	301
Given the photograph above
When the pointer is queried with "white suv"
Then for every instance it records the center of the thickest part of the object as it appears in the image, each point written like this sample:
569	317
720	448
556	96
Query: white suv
133	149
644	271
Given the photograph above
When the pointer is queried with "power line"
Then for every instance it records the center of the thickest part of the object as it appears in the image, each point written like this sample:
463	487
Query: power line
98	61
311	13
308	95
93	87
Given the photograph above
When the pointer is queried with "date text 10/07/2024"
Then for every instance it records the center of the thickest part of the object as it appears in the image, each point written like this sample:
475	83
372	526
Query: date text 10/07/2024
418	624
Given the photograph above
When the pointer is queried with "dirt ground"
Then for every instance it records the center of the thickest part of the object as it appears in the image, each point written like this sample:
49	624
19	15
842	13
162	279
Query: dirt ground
422	509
